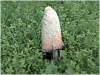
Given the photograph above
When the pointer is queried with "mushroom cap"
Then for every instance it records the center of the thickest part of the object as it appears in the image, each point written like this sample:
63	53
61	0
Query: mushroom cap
51	31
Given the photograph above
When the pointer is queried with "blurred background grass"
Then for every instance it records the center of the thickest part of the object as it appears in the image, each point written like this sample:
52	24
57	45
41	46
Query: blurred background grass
21	37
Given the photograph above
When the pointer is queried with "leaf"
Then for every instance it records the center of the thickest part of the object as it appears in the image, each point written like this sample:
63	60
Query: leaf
62	53
51	69
70	71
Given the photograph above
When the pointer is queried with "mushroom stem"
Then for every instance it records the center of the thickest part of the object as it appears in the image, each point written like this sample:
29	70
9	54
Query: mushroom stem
55	53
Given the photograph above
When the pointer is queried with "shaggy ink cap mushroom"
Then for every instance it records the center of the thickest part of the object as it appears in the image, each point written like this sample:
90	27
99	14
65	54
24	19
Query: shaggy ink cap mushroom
51	31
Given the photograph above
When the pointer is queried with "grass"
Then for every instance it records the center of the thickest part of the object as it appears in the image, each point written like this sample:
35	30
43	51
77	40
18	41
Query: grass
21	37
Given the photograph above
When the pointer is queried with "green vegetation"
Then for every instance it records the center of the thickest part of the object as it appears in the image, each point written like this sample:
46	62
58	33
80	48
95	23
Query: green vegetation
21	37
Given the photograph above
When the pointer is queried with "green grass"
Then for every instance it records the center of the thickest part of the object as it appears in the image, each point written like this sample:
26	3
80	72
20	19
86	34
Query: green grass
21	37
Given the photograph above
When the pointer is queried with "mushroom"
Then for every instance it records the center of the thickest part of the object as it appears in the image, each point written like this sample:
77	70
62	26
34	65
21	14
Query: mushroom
51	33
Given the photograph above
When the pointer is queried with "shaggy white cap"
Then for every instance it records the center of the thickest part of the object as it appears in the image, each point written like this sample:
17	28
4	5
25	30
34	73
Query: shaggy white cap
48	7
51	31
